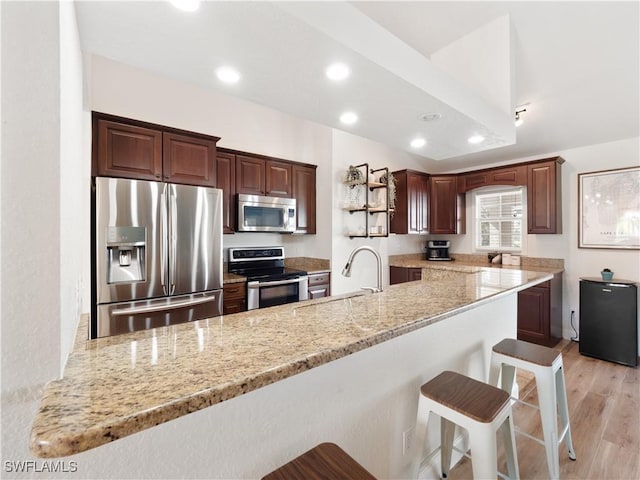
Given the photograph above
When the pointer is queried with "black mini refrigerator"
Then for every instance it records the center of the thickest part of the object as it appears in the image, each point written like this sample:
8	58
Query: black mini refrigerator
609	320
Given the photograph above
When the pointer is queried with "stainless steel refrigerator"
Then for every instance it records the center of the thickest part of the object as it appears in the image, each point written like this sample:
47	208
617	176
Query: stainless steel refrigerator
156	255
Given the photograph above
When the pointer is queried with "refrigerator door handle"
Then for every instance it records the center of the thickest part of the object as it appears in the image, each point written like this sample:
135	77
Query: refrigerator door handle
163	307
163	240
173	213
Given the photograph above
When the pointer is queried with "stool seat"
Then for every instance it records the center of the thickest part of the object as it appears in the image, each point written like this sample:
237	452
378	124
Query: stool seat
472	398
529	352
326	461
479	408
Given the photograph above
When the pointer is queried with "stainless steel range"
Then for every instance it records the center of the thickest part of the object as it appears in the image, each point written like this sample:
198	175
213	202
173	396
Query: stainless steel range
269	282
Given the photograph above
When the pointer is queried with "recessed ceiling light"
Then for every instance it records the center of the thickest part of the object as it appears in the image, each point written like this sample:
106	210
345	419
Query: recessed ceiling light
476	139
228	74
337	71
349	118
186	5
430	117
418	142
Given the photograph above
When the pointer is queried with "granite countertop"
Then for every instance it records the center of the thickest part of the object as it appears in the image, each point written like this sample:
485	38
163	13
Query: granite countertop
465	263
117	386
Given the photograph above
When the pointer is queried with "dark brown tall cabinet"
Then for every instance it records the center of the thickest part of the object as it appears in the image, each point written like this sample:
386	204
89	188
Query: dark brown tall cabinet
412	203
132	149
226	181
446	205
304	191
544	213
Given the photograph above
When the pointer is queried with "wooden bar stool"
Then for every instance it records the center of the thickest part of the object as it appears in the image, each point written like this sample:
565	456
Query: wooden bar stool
546	364
326	461
479	408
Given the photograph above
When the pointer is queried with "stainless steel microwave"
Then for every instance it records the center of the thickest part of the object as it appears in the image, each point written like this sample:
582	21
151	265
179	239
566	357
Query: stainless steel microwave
257	213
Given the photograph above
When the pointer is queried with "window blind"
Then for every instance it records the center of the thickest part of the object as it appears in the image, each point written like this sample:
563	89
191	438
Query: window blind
499	220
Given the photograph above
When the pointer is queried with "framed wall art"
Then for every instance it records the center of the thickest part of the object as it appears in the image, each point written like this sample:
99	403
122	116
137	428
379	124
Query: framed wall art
609	209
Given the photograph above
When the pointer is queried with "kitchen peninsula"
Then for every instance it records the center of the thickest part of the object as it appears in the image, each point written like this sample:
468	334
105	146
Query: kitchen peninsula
372	352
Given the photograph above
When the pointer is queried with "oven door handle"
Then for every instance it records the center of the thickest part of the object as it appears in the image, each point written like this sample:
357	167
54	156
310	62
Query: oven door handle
257	284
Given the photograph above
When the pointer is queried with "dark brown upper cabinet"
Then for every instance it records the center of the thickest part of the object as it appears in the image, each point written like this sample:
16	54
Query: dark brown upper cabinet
512	175
446	205
187	159
263	176
226	181
412	203
122	150
278	178
544	202
304	191
128	148
250	175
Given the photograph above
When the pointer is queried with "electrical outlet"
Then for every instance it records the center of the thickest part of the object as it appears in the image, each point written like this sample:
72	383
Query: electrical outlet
408	438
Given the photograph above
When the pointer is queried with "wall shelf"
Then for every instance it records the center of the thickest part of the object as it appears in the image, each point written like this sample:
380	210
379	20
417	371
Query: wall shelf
368	180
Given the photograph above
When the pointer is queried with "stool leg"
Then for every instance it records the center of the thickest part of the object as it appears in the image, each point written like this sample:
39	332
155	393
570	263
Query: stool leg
484	455
494	370
511	453
447	429
545	383
563	407
422	421
508	377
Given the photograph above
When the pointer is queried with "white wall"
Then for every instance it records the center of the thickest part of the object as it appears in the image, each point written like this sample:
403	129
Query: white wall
31	219
349	150
75	178
578	262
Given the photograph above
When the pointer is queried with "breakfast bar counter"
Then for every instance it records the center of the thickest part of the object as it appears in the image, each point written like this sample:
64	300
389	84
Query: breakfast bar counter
117	386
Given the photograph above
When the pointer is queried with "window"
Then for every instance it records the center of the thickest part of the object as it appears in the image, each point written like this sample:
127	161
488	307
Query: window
499	219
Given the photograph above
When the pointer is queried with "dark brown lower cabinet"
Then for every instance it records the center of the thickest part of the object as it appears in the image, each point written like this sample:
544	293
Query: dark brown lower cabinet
540	313
319	285
234	298
404	274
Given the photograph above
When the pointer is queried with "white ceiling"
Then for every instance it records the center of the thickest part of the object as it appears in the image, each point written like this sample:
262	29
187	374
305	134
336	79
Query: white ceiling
577	64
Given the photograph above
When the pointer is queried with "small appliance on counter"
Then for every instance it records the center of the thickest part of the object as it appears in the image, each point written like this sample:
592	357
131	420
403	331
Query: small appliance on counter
269	282
438	250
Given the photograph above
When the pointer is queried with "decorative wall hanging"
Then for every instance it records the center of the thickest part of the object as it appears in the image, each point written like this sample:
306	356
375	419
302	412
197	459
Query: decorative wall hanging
609	209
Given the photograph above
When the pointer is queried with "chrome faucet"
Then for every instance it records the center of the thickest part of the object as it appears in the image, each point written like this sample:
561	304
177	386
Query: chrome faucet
347	268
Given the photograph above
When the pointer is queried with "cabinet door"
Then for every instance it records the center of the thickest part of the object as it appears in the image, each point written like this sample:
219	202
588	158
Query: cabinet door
404	274
412	203
250	177
226	181
127	151
234	298
516	175
188	160
398	275
414	274
544	211
533	315
418	203
304	191
278	178
443	204
475	180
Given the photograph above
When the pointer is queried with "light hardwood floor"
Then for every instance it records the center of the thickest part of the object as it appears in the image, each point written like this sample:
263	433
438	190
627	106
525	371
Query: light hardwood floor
604	406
